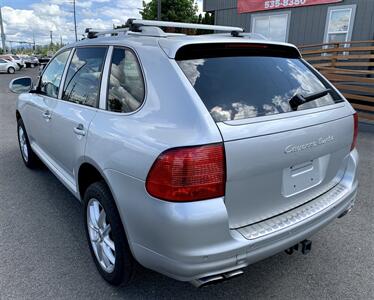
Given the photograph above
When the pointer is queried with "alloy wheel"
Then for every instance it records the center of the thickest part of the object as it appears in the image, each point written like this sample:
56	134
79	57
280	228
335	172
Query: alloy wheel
23	144
99	231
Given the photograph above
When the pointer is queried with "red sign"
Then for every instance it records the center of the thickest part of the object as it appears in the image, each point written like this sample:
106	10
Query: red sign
245	6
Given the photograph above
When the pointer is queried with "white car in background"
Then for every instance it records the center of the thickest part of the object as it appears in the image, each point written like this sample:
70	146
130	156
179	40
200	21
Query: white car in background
8	66
15	59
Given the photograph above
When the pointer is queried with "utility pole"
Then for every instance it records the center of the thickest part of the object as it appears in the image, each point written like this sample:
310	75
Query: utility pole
75	22
2	32
60	40
159	10
33	41
51	39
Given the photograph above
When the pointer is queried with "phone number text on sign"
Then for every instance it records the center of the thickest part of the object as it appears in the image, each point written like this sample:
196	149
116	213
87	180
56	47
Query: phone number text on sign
283	3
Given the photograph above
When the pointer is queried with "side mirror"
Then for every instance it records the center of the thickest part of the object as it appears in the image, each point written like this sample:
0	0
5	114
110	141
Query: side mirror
21	85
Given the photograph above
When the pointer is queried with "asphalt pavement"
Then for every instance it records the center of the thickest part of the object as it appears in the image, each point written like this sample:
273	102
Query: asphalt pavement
44	253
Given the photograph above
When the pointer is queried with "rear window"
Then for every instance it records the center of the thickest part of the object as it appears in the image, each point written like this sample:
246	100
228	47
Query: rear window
237	82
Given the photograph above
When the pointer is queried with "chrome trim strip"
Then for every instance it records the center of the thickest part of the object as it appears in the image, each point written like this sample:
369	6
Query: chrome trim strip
294	216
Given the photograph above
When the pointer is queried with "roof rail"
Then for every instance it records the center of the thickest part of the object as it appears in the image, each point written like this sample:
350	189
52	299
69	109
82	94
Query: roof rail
135	25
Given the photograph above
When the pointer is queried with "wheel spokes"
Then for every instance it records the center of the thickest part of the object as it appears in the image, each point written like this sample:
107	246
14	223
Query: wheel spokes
109	243
94	214
109	254
101	219
104	255
106	230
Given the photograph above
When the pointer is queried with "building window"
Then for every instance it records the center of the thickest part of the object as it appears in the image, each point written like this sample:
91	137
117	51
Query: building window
272	26
339	23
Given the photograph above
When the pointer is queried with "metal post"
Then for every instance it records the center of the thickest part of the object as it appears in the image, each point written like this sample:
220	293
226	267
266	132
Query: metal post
2	32
33	41
159	10
75	22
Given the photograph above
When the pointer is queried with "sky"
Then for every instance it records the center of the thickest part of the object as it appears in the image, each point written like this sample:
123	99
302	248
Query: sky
25	18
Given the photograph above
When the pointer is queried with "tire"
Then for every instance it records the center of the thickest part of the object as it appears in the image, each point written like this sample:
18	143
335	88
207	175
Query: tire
11	70
122	270
29	157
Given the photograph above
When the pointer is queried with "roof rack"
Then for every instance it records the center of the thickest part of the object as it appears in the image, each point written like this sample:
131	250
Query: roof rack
151	28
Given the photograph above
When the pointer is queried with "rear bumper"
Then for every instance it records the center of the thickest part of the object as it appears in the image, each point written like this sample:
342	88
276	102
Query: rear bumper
188	241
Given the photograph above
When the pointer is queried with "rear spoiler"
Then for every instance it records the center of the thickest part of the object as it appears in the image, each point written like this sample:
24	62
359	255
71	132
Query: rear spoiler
178	47
211	50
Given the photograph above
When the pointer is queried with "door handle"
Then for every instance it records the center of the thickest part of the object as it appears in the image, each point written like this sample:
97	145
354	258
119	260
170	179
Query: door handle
47	115
79	130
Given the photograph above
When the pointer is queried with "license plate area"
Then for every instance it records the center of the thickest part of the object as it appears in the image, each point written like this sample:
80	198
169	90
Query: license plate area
301	177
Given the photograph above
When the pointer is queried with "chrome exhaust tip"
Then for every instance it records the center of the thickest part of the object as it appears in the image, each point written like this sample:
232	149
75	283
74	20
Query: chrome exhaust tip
210	280
347	211
233	274
205	281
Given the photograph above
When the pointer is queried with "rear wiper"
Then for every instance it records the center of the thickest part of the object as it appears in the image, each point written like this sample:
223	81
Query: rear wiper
299	99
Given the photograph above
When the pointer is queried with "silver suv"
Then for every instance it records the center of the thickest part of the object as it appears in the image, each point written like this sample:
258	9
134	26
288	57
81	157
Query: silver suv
194	156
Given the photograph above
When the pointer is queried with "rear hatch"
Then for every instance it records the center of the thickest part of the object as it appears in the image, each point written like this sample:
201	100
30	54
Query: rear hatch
279	156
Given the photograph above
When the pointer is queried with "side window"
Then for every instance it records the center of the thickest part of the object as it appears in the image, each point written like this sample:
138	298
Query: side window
126	84
2	61
82	83
50	81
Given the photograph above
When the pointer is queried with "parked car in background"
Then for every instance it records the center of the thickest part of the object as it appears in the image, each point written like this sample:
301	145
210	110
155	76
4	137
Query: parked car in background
14	64
15	59
193	155
31	61
43	60
8	66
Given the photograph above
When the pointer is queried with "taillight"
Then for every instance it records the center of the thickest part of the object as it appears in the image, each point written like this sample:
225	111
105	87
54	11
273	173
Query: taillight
188	174
355	131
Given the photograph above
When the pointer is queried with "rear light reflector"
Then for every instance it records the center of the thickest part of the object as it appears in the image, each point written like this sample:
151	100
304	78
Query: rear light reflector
355	131
188	174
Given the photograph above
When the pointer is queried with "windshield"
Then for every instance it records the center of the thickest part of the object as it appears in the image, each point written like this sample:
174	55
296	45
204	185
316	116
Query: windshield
239	87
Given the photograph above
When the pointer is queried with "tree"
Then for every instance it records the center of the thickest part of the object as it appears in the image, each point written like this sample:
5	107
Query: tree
171	10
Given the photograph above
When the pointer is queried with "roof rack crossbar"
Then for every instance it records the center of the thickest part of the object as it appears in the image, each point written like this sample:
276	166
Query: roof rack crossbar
135	25
94	34
184	25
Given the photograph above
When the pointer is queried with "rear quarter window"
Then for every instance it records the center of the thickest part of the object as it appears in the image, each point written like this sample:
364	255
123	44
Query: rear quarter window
237	83
126	89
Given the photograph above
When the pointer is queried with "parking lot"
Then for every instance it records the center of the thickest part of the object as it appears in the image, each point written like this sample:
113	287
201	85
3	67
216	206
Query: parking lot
44	254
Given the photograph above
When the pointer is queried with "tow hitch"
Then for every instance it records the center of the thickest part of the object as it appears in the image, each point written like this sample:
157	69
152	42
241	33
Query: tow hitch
305	246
